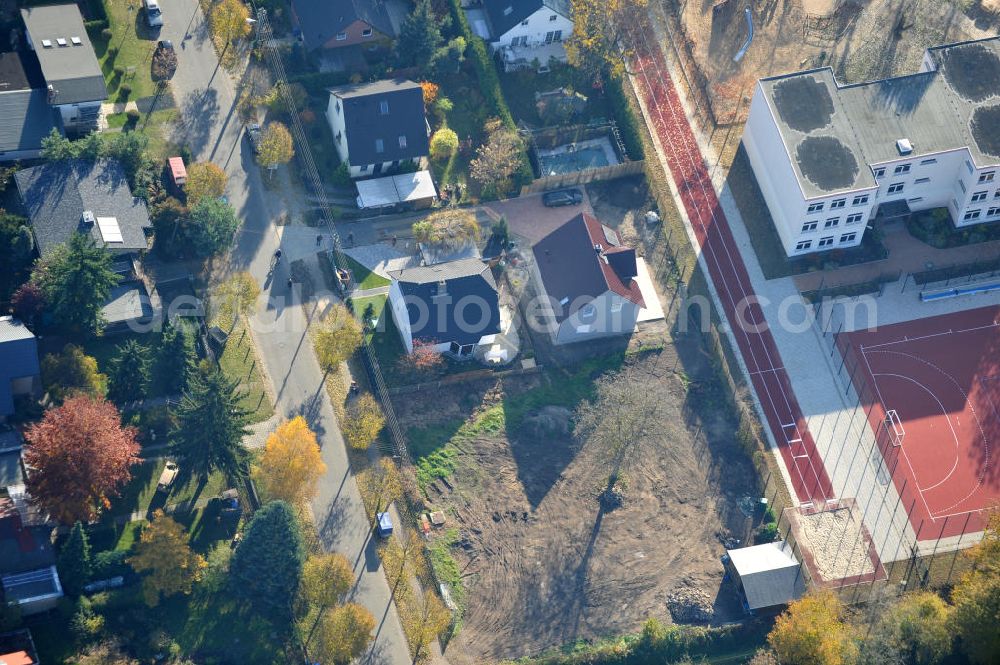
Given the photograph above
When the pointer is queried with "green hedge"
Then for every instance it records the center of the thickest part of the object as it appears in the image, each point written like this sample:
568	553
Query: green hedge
316	83
628	124
489	84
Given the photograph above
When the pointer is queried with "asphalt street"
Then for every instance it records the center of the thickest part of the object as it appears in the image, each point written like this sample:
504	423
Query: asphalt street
210	125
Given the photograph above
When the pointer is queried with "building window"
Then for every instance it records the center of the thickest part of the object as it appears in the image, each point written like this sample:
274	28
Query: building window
972	214
814	207
854	219
826	242
879	172
832	222
915	199
895	188
402	141
379	146
993	212
524	22
367	32
961	185
588	312
364	168
978	196
926	162
805	244
860	200
968	165
837	203
848	237
383	108
921	181
616	306
552	17
809	226
997	195
901	168
341	36
987	177
554	36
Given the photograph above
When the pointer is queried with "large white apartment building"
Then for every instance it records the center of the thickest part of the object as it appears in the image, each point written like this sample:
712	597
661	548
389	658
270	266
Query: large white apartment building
829	158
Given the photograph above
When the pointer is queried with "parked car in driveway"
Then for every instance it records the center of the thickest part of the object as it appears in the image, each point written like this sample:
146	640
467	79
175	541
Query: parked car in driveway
562	197
253	134
154	17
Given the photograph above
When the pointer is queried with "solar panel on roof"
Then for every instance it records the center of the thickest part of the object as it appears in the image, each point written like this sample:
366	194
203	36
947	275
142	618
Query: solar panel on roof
110	231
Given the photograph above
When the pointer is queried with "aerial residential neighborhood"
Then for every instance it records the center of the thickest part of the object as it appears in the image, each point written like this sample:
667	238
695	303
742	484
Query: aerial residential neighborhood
549	332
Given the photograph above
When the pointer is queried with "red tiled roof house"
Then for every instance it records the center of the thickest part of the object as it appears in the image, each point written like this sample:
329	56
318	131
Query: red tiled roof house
587	280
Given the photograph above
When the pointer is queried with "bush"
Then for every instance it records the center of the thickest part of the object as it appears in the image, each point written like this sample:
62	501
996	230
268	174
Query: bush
124	90
342	176
113	53
628	124
106	34
110	564
767	533
95	28
444	143
133	115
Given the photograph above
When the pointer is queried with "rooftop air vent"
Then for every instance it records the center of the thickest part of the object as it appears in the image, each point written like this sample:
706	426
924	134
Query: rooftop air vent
76	41
46	43
904	146
88	218
61	41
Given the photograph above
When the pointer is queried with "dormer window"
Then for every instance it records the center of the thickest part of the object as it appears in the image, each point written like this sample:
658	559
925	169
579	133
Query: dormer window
341	36
367	32
402	141
383	108
552	17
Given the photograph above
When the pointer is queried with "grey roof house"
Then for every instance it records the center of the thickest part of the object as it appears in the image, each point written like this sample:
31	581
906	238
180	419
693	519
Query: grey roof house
19	369
61	198
24	107
378	126
335	24
73	76
453	307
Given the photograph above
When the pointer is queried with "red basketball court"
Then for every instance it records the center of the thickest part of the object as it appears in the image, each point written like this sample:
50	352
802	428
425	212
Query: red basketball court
931	388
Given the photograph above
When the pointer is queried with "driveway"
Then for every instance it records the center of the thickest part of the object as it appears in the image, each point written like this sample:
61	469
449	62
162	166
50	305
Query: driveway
528	218
210	126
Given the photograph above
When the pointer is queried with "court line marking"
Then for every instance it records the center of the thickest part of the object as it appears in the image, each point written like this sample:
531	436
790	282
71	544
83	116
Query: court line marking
930	336
972	409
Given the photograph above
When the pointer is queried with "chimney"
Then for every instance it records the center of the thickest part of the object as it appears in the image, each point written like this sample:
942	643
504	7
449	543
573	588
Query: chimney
598	248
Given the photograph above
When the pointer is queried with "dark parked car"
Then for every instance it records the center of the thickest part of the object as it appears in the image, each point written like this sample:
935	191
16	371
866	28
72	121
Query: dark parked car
253	133
562	197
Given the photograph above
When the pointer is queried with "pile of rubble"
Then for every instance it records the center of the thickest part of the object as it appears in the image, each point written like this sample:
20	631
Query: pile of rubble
690	605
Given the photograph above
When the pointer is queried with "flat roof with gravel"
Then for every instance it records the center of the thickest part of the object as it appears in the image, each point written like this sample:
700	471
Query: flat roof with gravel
830	130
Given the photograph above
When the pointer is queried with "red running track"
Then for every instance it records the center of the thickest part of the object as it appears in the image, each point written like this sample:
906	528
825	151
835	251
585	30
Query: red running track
729	275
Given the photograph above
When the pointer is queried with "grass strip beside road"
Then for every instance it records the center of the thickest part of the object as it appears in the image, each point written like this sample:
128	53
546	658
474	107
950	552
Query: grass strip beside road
239	361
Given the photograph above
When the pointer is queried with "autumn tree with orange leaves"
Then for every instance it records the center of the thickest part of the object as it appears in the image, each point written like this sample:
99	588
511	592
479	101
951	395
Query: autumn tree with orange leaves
80	457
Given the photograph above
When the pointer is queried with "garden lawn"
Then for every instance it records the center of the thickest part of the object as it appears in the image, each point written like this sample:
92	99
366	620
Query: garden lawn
140	494
519	90
135	44
365	278
239	362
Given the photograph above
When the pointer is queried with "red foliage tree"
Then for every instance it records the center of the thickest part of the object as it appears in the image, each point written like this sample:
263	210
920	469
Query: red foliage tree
28	302
79	455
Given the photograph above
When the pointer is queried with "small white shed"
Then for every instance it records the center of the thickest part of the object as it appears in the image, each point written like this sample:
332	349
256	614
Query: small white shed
414	190
768	574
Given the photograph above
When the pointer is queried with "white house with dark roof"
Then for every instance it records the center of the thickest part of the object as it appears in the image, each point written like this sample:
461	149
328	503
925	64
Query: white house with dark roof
831	158
73	77
525	31
377	127
454	307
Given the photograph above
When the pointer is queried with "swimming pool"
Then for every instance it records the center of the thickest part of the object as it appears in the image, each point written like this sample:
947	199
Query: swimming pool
589	157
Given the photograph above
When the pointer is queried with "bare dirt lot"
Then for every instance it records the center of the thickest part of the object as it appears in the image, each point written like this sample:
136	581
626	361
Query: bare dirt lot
861	39
542	561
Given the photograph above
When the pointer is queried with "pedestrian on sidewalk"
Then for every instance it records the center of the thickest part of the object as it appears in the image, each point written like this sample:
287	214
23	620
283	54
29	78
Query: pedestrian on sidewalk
319	239
393	239
350	239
